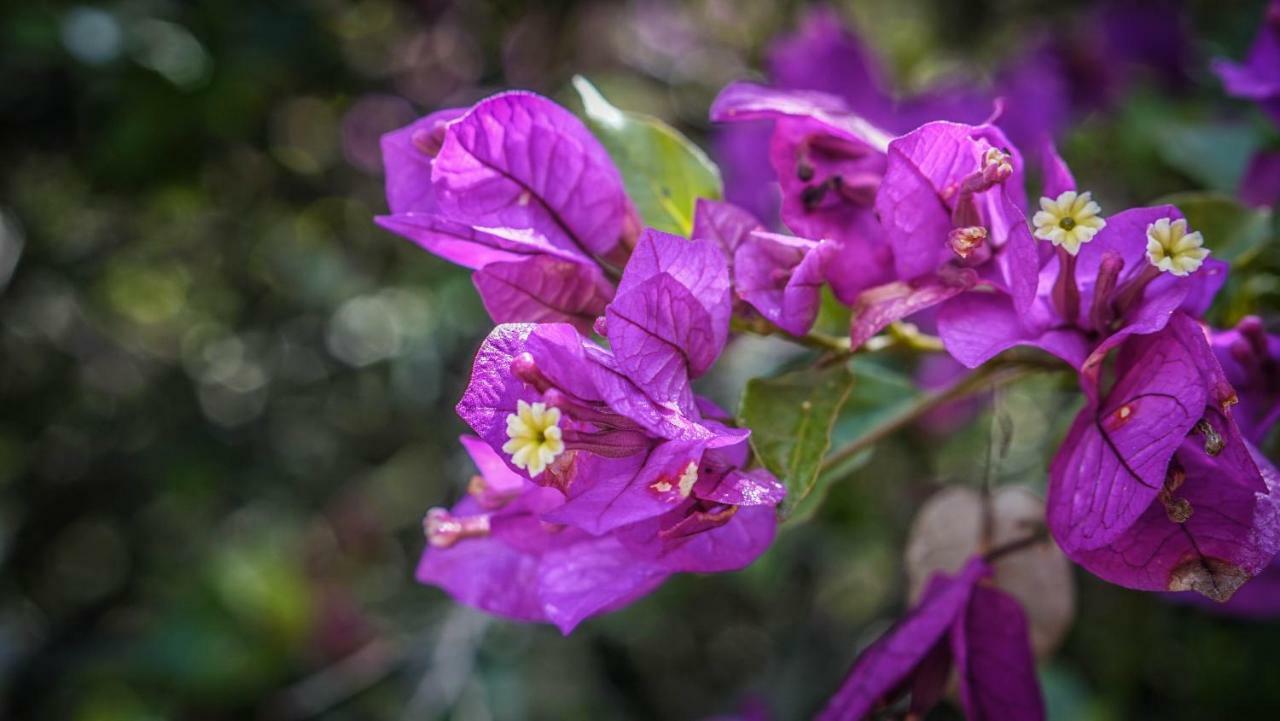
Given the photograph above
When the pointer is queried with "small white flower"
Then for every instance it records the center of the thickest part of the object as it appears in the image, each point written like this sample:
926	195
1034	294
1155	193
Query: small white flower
534	430
1172	249
1070	221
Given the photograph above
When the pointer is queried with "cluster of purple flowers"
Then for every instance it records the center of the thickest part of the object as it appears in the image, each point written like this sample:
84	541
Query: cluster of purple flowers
602	473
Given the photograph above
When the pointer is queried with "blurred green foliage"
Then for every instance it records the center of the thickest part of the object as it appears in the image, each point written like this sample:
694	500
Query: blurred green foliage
226	397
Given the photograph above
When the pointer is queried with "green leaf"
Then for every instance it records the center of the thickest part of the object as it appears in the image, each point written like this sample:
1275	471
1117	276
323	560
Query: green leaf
1215	155
1234	232
663	170
790	417
880	397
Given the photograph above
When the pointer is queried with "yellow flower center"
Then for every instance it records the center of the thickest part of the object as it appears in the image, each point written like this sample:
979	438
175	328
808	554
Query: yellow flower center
1172	249
534	430
1068	221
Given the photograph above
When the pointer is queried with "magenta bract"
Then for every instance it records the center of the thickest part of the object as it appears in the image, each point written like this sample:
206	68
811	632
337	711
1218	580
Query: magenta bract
1258	77
642	483
959	622
829	163
949	207
1155	487
476	188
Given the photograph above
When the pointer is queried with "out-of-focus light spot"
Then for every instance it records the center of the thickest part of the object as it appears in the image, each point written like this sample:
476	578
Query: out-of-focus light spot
303	135
363	19
364	330
364	124
91	35
232	383
228	407
260	578
433	65
371	328
368	31
147	294
172	51
44	307
11	243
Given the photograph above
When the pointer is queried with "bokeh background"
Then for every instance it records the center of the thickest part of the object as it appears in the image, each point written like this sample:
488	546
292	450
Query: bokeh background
226	397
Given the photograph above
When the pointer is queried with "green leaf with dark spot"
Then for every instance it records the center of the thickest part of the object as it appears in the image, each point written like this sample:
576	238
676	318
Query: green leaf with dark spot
665	173
790	417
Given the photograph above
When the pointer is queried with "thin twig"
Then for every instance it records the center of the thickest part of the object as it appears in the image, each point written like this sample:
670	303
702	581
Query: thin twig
898	335
1041	535
995	373
812	339
335	684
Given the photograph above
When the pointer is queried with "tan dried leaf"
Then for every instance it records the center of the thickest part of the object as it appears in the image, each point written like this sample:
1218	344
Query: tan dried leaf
947	531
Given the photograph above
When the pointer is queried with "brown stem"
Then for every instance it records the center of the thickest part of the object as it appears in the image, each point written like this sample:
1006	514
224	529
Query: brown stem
1012	547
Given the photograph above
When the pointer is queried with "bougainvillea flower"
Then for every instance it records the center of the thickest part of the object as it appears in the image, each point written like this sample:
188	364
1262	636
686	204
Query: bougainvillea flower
1139	36
606	496
407	157
723	223
960	623
1258	77
1155	487
632	454
778	276
781	277
1250	358
670	318
829	164
1121	276
1260	185
665	482
1260	597
748	183
950	206
493	551
517	189
826	55
518	160
519	274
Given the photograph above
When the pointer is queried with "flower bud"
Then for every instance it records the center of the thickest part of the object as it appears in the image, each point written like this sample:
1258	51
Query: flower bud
1213	442
443	529
525	368
964	241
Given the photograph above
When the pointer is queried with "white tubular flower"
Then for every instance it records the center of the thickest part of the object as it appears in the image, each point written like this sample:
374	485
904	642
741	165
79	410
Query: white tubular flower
534	430
1069	221
1172	249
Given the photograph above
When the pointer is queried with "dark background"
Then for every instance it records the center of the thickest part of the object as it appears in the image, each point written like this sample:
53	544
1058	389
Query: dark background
226	397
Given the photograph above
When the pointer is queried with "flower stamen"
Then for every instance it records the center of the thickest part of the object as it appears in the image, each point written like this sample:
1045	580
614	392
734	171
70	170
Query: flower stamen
535	437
